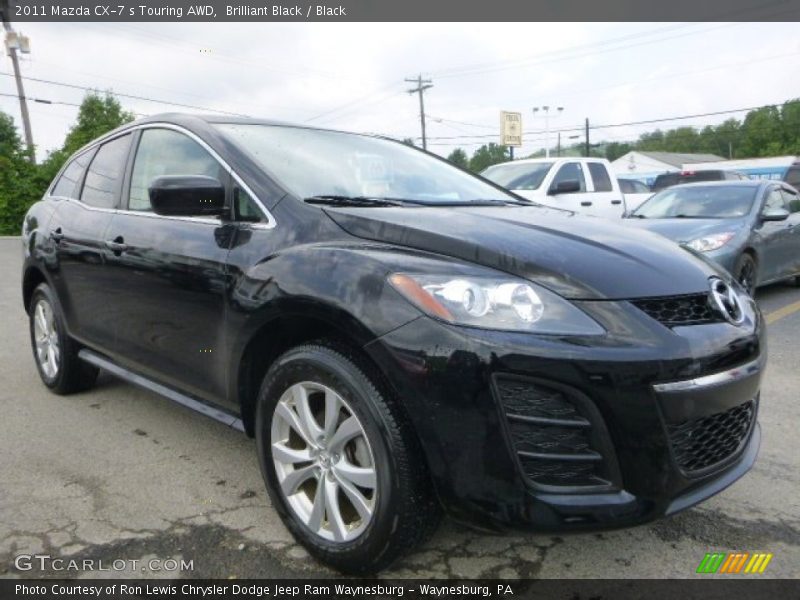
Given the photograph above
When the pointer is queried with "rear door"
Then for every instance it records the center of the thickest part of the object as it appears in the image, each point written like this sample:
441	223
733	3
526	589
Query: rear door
89	192
169	272
605	200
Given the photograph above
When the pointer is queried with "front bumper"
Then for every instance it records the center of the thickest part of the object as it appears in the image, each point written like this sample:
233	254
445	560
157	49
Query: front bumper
639	411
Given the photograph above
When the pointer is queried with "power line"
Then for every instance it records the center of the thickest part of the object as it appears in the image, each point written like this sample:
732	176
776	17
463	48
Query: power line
630	123
380	91
129	96
583	50
56	102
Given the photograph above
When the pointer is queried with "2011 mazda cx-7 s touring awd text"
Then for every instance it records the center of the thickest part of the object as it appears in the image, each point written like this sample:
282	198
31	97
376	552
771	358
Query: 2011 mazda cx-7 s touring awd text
402	338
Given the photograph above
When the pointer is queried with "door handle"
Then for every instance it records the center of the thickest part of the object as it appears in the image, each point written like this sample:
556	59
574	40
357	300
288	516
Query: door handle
586	203
117	245
57	235
616	202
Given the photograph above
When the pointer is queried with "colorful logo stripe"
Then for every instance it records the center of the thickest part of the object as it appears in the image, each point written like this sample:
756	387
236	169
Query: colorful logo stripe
734	562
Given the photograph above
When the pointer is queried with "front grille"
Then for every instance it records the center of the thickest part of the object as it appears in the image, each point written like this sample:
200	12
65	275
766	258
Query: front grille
692	309
554	434
701	444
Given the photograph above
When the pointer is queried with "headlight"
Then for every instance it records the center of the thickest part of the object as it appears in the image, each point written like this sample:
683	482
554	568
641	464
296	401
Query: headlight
711	242
494	303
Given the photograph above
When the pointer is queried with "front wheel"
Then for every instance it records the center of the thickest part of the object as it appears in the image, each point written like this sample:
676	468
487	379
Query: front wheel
746	273
340	461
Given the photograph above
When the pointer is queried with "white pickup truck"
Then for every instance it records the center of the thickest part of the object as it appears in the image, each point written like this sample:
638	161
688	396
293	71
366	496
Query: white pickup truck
583	185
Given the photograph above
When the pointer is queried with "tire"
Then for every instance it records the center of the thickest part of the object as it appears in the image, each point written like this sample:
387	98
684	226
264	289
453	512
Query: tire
746	273
404	511
56	357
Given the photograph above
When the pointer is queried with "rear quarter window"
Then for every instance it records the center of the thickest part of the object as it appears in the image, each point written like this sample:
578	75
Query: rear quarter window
104	177
67	184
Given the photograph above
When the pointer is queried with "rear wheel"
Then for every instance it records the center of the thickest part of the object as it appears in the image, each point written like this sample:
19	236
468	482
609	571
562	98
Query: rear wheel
55	353
342	465
746	273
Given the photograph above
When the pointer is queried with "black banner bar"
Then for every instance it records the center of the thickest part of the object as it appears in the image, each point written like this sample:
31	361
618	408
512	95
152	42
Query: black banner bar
711	588
401	10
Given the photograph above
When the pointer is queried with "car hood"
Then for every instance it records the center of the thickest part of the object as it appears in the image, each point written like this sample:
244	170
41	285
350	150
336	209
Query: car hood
686	230
576	256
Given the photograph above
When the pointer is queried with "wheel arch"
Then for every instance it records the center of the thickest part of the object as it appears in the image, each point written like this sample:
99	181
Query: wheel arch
31	279
278	332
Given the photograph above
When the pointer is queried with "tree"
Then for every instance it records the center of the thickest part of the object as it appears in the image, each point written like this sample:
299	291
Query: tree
459	158
409	141
616	149
18	181
97	115
488	155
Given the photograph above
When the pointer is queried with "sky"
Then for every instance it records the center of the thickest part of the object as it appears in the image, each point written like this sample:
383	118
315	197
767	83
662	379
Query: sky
351	75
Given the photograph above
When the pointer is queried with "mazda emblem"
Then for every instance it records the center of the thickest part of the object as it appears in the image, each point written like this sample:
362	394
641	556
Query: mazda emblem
726	301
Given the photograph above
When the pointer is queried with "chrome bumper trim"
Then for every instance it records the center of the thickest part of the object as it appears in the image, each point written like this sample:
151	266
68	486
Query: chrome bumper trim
729	376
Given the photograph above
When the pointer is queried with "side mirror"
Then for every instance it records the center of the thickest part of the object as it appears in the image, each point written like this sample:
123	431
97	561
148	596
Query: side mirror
776	214
187	196
567	186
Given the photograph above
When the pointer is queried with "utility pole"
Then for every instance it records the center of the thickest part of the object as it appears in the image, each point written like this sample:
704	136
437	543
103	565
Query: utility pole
558	148
422	85
16	42
588	147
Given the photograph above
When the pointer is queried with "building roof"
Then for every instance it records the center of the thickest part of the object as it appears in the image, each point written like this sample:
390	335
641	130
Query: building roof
678	159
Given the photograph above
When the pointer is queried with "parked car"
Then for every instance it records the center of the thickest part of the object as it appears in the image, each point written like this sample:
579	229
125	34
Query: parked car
583	185
398	335
635	192
752	228
666	180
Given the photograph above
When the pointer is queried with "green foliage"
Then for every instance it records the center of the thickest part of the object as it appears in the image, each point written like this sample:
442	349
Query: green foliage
488	155
18	189
459	158
21	182
767	131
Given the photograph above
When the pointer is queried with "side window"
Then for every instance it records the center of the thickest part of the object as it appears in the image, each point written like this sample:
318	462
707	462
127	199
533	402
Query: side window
774	201
792	200
67	184
105	173
640	188
167	152
793	176
626	186
245	207
600	178
570	171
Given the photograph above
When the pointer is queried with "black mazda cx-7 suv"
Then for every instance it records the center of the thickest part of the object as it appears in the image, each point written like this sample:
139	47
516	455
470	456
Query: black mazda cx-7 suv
402	338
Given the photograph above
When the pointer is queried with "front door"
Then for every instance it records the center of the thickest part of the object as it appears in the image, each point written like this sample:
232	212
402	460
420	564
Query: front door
170	274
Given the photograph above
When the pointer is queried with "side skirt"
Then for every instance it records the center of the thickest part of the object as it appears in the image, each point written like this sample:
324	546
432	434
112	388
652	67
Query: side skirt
212	412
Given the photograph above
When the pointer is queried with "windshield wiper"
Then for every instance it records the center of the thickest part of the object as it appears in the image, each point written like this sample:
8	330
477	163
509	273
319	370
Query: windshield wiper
683	216
333	200
635	216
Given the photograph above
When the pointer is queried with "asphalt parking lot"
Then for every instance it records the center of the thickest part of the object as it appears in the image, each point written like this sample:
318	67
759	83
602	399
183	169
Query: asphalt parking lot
119	473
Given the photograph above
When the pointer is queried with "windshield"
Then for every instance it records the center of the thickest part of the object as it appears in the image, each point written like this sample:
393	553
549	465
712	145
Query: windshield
524	176
699	202
314	163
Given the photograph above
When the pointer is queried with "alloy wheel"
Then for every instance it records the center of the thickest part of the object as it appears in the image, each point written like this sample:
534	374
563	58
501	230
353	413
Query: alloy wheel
324	464
48	351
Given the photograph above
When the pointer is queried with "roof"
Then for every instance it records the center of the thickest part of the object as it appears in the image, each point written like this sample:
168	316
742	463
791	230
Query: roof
725	183
678	159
